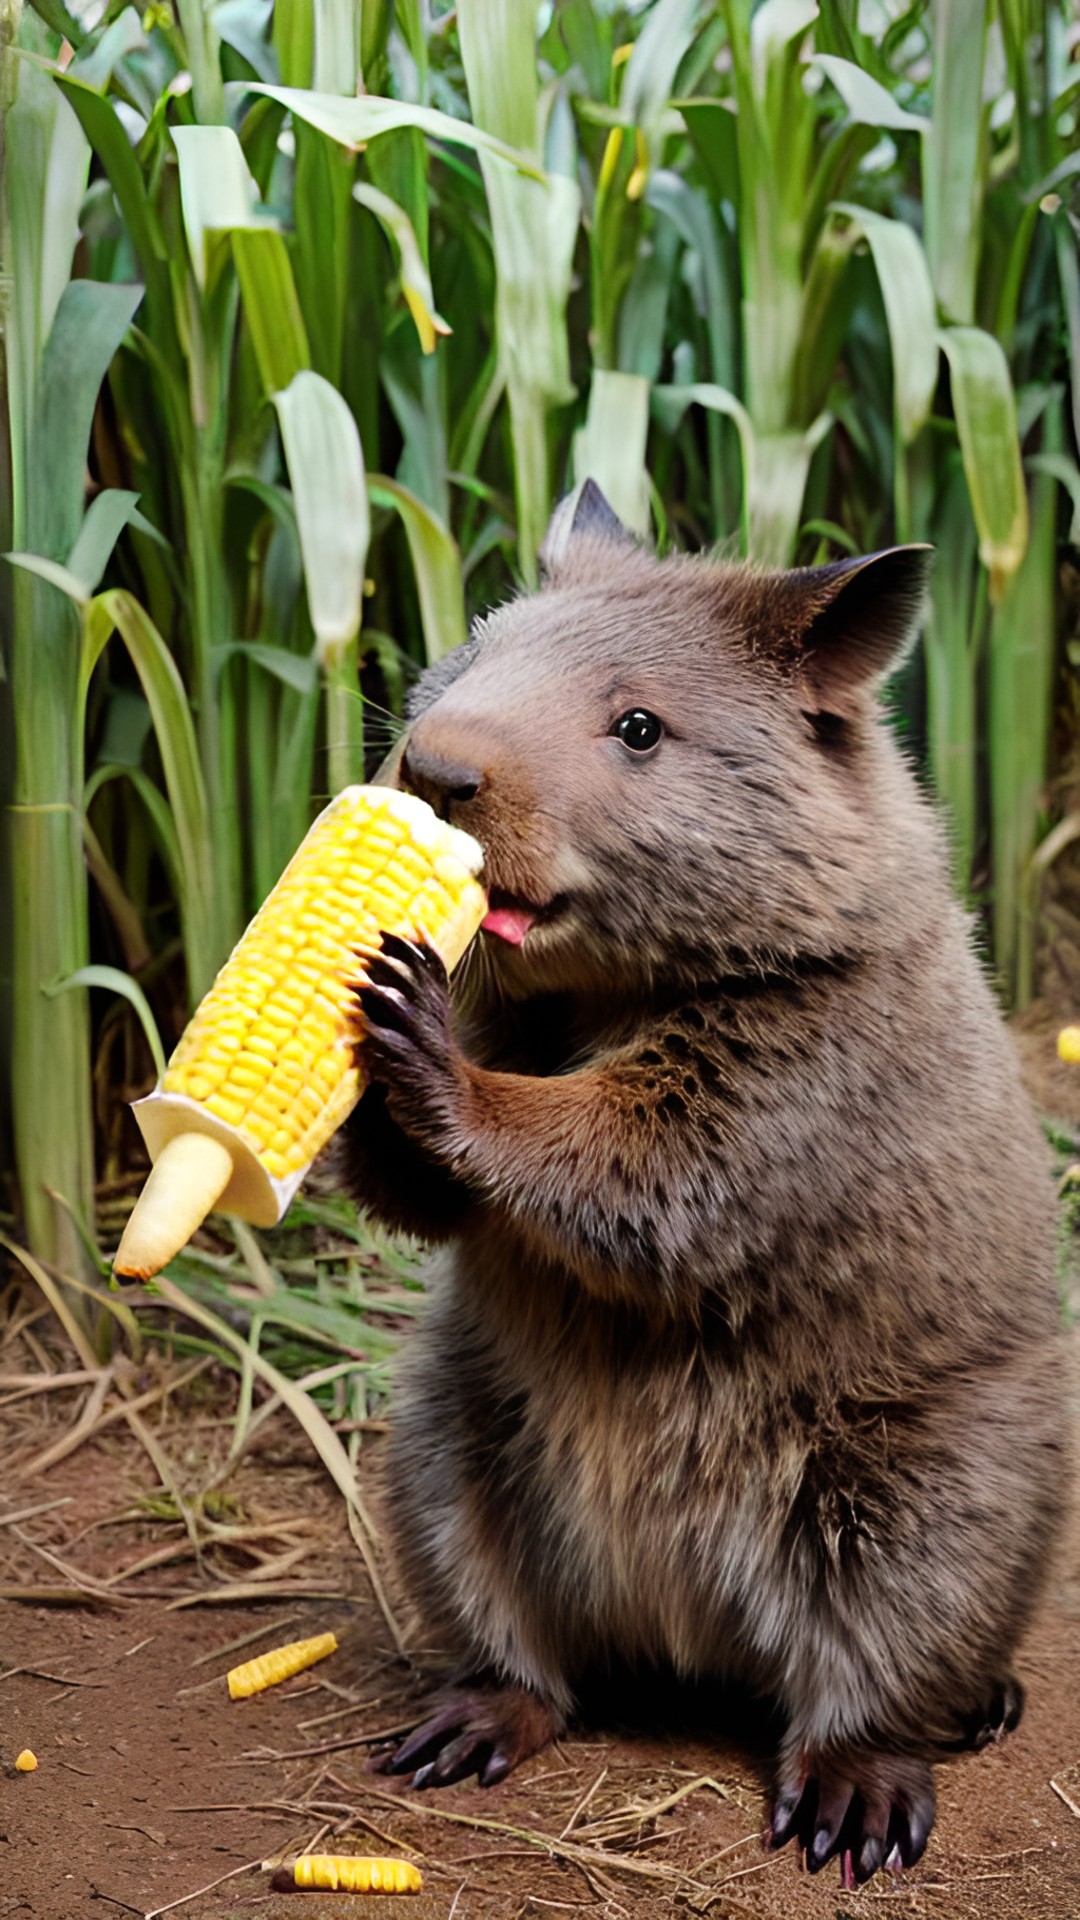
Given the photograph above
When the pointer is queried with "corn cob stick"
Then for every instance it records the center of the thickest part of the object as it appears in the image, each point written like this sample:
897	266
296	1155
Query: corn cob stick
265	1072
277	1664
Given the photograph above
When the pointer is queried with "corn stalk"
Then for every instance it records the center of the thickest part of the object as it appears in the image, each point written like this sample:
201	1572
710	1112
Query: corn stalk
59	338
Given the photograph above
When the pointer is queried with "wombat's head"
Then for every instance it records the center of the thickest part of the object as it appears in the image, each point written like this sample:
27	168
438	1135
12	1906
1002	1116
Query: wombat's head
675	766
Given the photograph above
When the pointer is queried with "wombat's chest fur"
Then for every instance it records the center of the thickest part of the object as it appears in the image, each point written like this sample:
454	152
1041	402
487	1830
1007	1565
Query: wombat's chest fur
740	1355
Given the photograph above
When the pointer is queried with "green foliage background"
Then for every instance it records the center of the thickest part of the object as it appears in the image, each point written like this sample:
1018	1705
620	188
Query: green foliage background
314	308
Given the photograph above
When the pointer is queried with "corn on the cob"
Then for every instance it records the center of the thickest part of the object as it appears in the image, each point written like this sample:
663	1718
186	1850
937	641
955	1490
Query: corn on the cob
280	1663
265	1072
355	1873
1068	1045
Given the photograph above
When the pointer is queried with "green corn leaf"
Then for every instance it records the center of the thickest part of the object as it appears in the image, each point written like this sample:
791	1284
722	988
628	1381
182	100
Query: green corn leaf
326	473
53	572
175	734
277	500
610	448
106	518
436	564
294	41
110	142
336	60
952	638
63	24
1021	662
217	191
43	181
985	409
775	468
96	63
534	228
113	981
354	122
91	320
777	486
711	125
827	303
644	311
953	156
162	825
271	304
415	280
1069	275
667	30
867	101
1065	471
695	220
498	50
669	405
295	670
908	299
203	49
243	25
774	25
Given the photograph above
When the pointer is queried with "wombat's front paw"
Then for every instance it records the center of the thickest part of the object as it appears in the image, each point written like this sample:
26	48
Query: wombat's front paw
481	1730
408	1044
872	1810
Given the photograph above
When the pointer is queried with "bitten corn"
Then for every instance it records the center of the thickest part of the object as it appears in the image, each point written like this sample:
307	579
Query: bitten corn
353	1873
265	1072
280	1663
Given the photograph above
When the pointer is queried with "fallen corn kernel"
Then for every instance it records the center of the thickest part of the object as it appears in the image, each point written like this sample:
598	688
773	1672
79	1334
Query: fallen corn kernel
26	1761
267	1669
355	1873
266	1072
1069	1045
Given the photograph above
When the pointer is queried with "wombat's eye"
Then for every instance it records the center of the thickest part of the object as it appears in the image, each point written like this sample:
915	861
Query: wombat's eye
638	729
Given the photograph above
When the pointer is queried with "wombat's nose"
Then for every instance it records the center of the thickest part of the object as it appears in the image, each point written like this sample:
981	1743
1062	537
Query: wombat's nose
436	777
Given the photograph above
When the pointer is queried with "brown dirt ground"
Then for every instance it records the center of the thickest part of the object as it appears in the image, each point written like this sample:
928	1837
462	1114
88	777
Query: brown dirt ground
152	1784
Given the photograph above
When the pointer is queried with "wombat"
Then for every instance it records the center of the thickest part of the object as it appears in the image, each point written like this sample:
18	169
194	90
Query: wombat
741	1358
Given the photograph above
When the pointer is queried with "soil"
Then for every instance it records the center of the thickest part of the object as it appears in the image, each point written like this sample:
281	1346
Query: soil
152	1784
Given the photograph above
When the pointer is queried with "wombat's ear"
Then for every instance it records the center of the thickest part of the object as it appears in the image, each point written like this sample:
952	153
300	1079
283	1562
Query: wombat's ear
848	625
583	513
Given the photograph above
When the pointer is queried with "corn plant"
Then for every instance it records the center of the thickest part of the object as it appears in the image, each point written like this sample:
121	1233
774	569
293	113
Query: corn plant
59	339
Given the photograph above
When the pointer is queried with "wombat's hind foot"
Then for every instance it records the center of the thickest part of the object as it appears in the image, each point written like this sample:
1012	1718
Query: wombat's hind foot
870	1810
481	1730
996	1717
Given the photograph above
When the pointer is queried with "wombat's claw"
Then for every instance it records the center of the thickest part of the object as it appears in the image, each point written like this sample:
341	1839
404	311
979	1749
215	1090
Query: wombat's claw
407	1042
990	1723
400	979
475	1730
871	1811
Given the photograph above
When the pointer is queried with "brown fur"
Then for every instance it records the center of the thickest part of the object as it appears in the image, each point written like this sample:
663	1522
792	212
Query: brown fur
741	1357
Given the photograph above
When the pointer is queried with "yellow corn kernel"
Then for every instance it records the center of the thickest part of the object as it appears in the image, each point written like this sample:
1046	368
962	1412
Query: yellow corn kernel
355	1873
26	1762
266	1068
267	1669
1068	1045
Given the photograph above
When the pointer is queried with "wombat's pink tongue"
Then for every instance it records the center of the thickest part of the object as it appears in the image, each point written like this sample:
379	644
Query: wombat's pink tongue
509	923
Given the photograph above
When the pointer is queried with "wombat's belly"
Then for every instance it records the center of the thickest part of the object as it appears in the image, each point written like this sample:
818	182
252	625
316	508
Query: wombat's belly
558	1501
